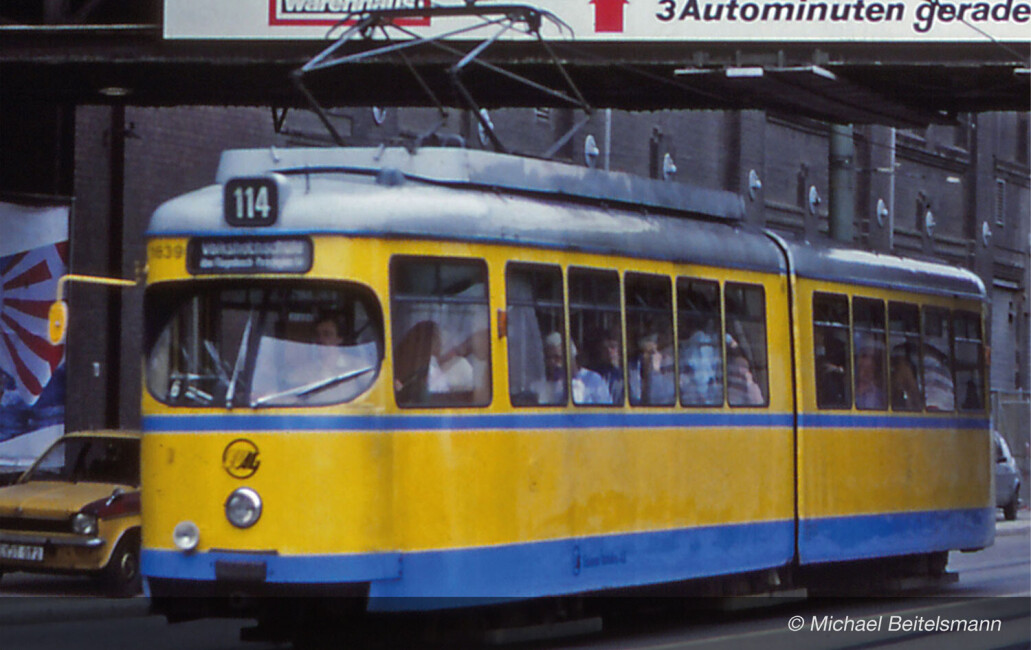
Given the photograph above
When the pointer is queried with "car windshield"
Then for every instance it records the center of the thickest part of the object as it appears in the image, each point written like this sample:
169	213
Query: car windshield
89	460
256	345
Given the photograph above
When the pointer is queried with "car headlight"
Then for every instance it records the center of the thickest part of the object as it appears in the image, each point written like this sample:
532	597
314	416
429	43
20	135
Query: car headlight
186	536
243	507
84	524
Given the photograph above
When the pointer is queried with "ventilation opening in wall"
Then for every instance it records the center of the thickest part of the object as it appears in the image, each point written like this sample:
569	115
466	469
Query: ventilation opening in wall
1000	202
1023	139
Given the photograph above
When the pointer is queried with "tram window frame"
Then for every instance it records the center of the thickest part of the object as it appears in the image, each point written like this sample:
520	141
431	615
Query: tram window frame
827	318
754	345
440	342
939	378
967	331
547	309
649	321
905	367
689	353
595	306
869	330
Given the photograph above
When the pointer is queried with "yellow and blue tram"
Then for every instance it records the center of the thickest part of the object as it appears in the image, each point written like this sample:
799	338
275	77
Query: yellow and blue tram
445	377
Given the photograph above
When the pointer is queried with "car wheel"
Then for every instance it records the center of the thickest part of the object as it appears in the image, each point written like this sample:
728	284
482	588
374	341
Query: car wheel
1009	511
122	573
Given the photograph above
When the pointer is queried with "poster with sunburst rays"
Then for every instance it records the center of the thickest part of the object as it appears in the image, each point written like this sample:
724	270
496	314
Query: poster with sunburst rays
33	256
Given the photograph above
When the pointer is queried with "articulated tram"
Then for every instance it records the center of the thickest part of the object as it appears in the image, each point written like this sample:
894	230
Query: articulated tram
446	377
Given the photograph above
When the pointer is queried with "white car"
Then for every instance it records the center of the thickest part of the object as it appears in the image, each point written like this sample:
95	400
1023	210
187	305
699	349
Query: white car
1007	479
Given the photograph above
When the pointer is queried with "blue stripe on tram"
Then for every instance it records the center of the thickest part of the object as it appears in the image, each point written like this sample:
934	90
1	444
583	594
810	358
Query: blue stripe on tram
478	422
513	571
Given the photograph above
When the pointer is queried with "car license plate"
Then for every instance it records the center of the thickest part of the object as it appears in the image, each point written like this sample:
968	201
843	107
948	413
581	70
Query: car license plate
21	552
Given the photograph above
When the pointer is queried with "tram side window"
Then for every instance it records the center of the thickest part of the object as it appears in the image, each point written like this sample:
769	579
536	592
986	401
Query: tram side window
939	392
831	351
699	324
536	335
595	336
747	375
649	324
868	331
441	331
907	393
969	353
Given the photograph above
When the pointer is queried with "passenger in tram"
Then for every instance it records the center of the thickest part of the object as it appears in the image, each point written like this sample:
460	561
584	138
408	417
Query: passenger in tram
831	366
607	361
869	376
905	386
650	380
742	388
417	372
466	367
701	370
939	389
588	386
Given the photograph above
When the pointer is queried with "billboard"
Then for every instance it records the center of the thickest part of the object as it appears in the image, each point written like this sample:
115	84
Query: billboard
638	20
33	256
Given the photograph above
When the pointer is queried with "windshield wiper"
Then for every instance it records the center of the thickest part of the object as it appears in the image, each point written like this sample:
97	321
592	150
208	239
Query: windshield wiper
220	366
314	387
239	361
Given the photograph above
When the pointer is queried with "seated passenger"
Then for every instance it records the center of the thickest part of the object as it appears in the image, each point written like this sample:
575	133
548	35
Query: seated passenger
905	387
869	377
939	392
588	386
701	370
417	371
742	389
458	374
650	382
607	361
468	368
831	364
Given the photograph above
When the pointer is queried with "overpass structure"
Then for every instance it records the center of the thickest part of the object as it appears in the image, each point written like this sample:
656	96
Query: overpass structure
901	63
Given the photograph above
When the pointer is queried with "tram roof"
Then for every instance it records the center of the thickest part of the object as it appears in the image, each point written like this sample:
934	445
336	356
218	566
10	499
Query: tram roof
451	193
834	262
457	167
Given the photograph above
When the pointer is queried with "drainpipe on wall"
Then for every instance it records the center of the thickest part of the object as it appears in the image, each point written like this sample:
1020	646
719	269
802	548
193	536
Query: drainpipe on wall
842	183
115	243
607	153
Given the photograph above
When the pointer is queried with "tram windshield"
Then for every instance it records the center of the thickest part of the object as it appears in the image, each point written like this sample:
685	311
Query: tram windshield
258	345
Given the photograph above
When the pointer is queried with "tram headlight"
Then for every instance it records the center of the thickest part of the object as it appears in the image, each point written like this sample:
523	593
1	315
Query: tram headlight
186	536
84	524
243	507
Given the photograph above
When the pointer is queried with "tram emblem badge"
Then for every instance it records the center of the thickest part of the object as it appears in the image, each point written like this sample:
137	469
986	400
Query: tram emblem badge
240	458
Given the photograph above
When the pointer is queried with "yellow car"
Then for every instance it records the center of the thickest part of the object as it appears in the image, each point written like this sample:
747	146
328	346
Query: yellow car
77	510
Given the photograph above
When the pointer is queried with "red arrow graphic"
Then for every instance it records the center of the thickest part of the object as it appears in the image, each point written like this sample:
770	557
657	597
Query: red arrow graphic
608	15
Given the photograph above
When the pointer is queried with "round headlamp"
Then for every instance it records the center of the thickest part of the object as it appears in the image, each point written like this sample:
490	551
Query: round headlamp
186	536
84	524
243	507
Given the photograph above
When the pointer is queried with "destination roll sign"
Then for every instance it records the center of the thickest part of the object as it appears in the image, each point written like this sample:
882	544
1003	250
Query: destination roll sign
232	255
